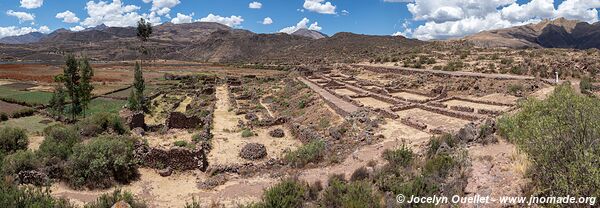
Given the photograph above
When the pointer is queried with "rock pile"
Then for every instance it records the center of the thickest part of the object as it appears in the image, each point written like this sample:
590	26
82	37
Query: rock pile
253	151
277	133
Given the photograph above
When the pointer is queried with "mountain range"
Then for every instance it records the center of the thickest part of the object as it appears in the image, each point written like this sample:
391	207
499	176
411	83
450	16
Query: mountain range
203	41
558	33
214	42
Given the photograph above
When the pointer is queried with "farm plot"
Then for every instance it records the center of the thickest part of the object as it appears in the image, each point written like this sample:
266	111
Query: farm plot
372	102
28	97
433	120
477	106
10	108
33	124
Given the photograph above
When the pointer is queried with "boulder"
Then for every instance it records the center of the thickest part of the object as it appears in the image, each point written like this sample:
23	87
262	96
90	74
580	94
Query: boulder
32	177
468	133
277	133
253	151
335	133
165	172
251	117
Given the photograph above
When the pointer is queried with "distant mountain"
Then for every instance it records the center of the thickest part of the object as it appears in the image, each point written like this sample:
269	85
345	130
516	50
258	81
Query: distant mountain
558	33
23	39
309	33
208	42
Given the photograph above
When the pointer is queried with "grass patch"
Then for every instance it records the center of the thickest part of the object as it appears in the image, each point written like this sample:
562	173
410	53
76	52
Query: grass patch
33	124
311	152
29	97
247	133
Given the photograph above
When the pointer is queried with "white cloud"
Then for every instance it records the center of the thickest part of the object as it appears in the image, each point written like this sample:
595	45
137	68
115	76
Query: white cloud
68	17
301	25
398	1
345	12
319	7
14	31
182	18
232	21
162	7
22	16
77	28
115	14
31	4
255	5
457	18
267	21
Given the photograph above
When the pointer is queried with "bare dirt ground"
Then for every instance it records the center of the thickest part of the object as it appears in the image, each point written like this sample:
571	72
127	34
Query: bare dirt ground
498	97
228	140
433	120
411	96
497	170
476	105
395	135
9	108
372	102
166	140
35	142
344	91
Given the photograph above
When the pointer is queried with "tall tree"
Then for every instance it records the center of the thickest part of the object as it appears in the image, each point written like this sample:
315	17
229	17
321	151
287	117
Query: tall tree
144	30
86	86
72	83
136	98
57	102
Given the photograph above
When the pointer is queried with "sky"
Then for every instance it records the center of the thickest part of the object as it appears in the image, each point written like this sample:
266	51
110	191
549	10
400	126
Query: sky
421	19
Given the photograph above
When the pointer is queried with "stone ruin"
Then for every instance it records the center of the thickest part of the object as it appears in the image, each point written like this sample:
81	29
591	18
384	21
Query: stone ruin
133	119
177	120
177	158
277	133
463	108
412	122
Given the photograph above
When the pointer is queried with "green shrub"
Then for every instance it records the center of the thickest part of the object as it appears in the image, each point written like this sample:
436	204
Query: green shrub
311	152
102	162
287	193
181	143
21	160
26	196
101	122
400	157
109	199
436	142
247	133
438	166
58	142
23	113
560	137
3	116
12	139
515	88
586	84
353	194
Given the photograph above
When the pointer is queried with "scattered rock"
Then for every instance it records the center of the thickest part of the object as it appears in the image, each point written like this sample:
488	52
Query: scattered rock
251	117
412	122
336	133
277	133
138	132
468	133
253	151
212	182
32	177
165	172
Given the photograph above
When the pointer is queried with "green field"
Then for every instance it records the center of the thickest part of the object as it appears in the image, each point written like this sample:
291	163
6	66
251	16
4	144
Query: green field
102	105
30	97
31	124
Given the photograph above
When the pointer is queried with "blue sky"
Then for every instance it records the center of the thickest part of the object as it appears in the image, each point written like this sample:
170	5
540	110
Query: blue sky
423	19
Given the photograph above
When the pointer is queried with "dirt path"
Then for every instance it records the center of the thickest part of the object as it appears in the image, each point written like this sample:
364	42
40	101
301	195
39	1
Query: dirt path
228	141
342	104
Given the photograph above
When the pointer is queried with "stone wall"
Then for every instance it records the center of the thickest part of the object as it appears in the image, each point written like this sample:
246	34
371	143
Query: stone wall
178	158
177	120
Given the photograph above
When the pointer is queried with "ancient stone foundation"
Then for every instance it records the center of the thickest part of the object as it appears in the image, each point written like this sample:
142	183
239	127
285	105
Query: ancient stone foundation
177	120
178	158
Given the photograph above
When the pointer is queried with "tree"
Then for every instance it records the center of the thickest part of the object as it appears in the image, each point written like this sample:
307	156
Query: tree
72	80
144	30
57	102
86	86
136	98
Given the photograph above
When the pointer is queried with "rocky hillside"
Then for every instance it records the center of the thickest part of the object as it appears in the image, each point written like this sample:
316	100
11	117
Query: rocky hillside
558	33
207	42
